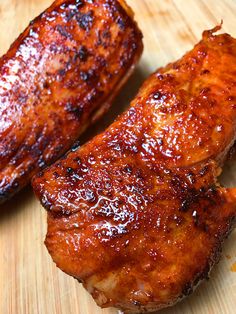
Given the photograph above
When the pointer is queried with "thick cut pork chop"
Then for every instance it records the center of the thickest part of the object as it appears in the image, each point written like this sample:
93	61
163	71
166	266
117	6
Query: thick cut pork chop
60	75
137	214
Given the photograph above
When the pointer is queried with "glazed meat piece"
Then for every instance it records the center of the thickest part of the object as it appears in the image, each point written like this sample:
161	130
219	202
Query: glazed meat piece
137	214
58	77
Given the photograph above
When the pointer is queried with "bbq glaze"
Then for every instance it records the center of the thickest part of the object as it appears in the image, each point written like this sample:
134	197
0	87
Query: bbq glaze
137	214
58	77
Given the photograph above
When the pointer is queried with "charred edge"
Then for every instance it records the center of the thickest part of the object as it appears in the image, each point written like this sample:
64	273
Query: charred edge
203	275
45	203
4	196
120	15
212	260
193	196
10	190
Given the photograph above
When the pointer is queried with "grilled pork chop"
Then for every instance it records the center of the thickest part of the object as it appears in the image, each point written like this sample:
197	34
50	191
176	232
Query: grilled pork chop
60	75
137	214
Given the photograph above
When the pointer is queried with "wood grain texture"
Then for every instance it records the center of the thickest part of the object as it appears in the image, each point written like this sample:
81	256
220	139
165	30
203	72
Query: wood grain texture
29	281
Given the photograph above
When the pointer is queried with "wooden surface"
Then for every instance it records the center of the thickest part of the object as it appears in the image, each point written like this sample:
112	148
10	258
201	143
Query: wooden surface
29	281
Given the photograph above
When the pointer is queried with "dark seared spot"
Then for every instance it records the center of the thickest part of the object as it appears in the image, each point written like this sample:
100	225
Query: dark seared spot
83	54
103	38
188	196
74	109
160	77
90	75
61	72
84	76
179	185
203	171
157	96
231	98
57	214
170	76
46	85
128	169
85	20
205	72
139	174
106	34
69	170
121	23
70	14
185	205
30	168
63	32
56	175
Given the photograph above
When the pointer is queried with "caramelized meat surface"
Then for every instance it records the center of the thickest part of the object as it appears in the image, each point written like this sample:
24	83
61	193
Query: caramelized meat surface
60	75
137	214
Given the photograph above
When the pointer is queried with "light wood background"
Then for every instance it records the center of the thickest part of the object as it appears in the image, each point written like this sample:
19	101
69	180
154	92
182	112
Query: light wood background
29	281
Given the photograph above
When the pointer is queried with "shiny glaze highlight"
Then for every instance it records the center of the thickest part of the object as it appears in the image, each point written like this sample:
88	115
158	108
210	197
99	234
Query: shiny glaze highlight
137	214
58	77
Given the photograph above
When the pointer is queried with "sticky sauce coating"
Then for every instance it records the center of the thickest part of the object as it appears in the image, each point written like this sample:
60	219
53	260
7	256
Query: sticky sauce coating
137	214
58	77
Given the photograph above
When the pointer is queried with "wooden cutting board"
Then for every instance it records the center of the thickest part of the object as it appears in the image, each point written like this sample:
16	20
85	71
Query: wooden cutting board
29	281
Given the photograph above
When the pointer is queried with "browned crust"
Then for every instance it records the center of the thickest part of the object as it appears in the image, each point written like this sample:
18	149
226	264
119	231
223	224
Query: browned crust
136	214
60	75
